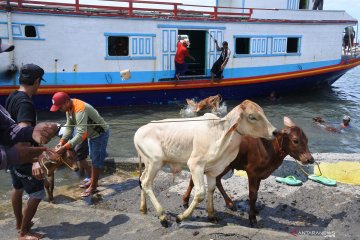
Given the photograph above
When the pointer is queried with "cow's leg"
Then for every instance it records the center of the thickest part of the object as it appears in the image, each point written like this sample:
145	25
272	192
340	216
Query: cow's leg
147	181
50	187
187	194
254	184
211	181
229	203
143	205
198	178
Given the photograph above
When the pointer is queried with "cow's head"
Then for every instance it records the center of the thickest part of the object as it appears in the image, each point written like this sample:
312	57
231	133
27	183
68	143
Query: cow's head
295	142
50	161
70	160
252	121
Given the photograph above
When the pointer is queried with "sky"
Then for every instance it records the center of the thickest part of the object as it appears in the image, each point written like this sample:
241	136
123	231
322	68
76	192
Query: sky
350	6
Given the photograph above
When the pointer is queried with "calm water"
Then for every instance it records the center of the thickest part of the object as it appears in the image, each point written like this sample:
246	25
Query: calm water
331	104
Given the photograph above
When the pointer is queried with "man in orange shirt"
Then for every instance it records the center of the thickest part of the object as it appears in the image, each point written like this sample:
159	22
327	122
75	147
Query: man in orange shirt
180	65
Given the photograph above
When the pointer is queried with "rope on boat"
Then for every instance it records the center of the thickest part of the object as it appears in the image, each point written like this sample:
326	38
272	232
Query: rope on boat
128	123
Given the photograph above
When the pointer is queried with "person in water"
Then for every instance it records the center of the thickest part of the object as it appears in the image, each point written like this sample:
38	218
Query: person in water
345	122
322	123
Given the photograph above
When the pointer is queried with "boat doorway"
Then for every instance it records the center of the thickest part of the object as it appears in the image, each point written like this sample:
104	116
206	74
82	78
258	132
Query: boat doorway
304	4
197	49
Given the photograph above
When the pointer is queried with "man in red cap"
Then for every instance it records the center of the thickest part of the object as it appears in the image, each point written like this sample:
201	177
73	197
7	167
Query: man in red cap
87	123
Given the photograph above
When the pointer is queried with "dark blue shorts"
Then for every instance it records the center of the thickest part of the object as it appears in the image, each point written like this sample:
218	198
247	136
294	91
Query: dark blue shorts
181	68
22	179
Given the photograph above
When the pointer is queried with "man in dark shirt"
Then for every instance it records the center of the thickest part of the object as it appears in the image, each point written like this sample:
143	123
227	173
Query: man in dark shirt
11	133
28	177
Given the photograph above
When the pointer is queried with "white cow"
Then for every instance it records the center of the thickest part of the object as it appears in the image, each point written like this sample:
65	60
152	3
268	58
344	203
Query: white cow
207	144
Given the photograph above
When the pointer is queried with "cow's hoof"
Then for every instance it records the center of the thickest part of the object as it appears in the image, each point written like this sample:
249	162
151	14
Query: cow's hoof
253	222
164	223
231	207
178	219
213	219
186	205
143	211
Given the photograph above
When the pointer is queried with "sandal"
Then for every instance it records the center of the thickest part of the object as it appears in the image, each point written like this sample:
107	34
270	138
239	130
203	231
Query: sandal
289	180
323	180
84	185
88	193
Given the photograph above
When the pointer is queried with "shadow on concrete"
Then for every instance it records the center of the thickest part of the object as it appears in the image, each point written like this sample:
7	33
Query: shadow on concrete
93	230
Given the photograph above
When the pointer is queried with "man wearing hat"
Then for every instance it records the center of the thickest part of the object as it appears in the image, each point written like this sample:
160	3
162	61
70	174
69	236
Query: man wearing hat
29	176
87	123
180	65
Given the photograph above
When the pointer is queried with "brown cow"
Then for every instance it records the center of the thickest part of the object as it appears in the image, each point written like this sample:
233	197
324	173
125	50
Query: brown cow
50	161
212	102
259	158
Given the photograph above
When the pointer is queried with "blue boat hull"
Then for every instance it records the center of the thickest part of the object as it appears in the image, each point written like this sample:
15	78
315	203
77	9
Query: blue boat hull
178	95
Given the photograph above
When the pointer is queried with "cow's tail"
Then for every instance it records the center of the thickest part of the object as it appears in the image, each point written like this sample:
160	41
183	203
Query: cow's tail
140	171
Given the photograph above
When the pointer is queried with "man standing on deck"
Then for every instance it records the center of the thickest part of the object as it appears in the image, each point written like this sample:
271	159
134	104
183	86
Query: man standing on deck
28	176
219	66
180	65
318	4
88	125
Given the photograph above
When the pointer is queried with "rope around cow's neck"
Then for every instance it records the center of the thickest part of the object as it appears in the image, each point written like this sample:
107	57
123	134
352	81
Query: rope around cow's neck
43	165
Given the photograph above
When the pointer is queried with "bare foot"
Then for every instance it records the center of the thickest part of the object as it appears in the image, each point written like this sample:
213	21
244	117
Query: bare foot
31	236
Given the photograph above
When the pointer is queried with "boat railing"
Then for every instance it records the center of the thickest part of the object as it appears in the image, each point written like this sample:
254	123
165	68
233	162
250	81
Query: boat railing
133	8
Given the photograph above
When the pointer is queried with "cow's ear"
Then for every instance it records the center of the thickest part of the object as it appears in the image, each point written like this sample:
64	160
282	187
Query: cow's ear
232	128
242	106
285	131
288	122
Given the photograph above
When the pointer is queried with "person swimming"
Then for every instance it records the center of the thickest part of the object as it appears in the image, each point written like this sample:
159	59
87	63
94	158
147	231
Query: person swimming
322	123
345	122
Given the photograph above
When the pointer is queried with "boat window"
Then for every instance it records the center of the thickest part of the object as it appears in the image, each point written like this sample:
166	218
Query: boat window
118	46
30	31
242	46
292	45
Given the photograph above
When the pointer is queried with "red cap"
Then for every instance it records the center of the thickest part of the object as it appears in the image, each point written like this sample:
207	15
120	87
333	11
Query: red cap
58	99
